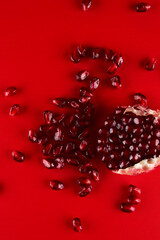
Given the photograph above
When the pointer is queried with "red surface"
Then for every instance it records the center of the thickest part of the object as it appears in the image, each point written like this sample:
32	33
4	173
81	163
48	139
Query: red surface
36	38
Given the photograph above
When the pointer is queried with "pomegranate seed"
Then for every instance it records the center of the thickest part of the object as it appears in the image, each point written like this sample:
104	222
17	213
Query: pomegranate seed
86	4
116	82
48	116
83	181
94	83
143	7
85	191
83	145
81	50
133	199
59	162
140	99
68	121
42	139
73	131
89	109
112	68
47	150
58	136
72	161
74	103
127	207
84	92
32	136
58	150
108	54
85	168
48	163
60	118
82	75
56	185
118	59
95	174
75	57
83	134
96	53
10	91
59	102
150	64
134	190
45	128
71	146
14	110
18	156
77	226
84	99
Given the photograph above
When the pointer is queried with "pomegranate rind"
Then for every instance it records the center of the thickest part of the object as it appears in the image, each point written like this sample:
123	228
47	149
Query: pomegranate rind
144	165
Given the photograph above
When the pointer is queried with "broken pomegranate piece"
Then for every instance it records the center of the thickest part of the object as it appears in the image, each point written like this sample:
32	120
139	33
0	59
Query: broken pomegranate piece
129	141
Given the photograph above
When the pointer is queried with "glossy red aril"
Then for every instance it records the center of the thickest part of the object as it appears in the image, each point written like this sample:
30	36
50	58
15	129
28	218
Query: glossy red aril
112	68
133	199
116	82
48	116
94	83
60	102
75	57
74	103
82	50
150	64
70	146
84	181
133	190
58	136
127	207
72	161
83	134
143	7
47	149
118	59
140	99
57	150
56	185
10	91
85	191
108	55
86	4
32	136
94	174
83	145
82	75
48	163
77	226
96	53
59	162
84	92
18	156
14	110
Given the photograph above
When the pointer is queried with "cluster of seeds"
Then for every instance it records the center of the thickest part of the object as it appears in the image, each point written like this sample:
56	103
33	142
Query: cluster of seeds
133	199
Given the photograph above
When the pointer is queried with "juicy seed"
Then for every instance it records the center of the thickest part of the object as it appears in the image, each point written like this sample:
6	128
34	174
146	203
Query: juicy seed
127	207
56	185
48	116
116	82
86	4
83	145
60	102
48	163
151	64
81	50
85	191
143	7
82	75
84	99
47	150
85	168
72	161
77	226
134	190
58	136
84	181
94	83
108	54
140	99
96	53
74	103
10	91
118	59
32	136
133	199
18	156
95	174
75	57
84	92
112	68
14	110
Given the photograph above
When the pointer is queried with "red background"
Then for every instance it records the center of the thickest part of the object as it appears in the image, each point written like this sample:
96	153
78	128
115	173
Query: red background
36	39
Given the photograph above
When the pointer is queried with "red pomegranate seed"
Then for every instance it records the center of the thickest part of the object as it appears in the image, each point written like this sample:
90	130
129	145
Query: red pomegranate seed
56	185
18	156
85	168
48	116
150	64
42	139
85	191
68	121
70	146
14	110
84	99
140	99
72	161
81	50
134	190
84	92
73	131
60	118
112	68
77	226
118	59
59	162
58	136
32	136
143	7
86	4
84	181
45	128
116	82
94	83
48	163
96	53
59	102
74	103
47	150
83	145
95	174
83	134
10	91
108	54
133	199
127	207
82	75
75	57
58	150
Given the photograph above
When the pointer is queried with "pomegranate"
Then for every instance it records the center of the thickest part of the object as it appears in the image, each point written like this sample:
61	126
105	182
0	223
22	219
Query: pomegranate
129	142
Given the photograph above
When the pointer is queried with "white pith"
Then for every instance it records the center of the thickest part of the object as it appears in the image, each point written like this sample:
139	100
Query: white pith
144	165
